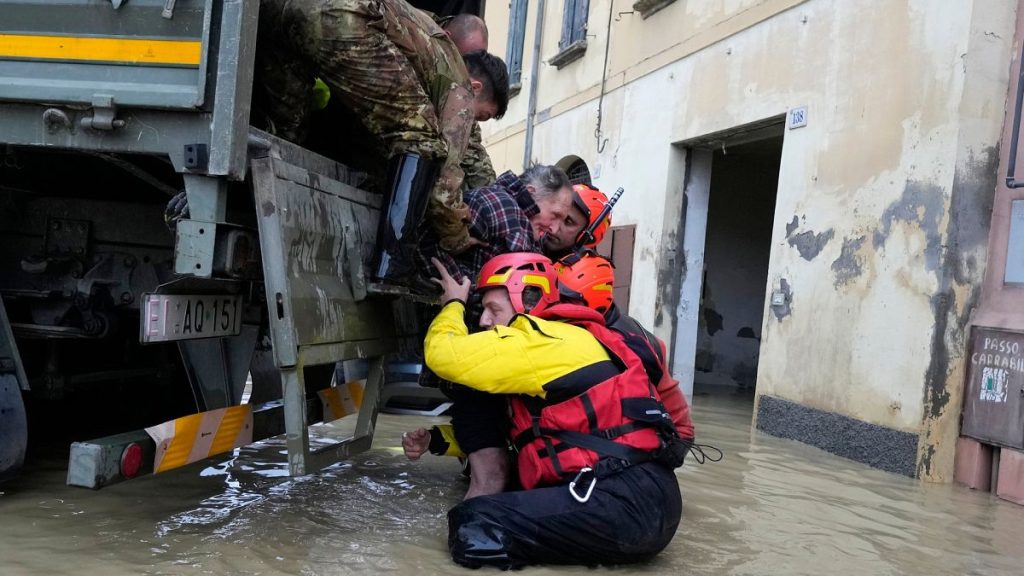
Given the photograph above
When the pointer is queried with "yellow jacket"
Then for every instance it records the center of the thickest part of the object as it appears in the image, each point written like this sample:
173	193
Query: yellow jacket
516	359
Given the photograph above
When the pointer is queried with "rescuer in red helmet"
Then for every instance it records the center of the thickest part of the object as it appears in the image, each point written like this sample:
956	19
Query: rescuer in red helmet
587	203
596	448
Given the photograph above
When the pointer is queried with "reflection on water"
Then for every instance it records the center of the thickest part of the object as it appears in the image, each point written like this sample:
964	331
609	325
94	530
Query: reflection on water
770	507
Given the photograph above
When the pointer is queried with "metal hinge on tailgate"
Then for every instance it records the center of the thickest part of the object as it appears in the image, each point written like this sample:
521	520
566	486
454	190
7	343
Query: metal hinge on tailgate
168	11
103	114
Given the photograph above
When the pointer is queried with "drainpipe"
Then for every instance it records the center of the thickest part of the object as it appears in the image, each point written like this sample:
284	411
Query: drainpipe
1011	180
531	109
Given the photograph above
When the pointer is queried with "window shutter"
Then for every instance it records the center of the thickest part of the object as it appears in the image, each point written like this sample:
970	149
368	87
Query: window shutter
516	37
579	21
568	16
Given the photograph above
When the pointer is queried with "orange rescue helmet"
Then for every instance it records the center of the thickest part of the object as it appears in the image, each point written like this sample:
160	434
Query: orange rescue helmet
589	278
591	201
517	271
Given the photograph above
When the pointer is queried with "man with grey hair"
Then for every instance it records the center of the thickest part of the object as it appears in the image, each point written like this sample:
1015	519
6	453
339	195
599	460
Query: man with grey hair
532	212
515	214
560	221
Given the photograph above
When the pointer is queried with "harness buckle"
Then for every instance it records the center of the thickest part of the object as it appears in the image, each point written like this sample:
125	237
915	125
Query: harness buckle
590	489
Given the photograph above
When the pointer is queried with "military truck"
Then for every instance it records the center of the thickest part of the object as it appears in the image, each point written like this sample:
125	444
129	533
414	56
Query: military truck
109	321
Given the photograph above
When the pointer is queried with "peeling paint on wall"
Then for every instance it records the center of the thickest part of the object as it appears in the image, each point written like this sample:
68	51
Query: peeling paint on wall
670	277
810	244
973	191
971	209
849	265
922	205
792	226
938	367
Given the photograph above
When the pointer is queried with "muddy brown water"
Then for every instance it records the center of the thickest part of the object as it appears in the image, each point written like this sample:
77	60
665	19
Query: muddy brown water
770	507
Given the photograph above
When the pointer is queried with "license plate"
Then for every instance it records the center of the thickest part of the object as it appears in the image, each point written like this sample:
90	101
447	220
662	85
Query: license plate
169	317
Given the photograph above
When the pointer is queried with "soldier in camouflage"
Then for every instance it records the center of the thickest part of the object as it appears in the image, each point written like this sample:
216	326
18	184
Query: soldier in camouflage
469	33
403	76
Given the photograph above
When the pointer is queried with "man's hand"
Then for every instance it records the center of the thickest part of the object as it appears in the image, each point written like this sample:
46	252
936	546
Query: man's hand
451	289
415	443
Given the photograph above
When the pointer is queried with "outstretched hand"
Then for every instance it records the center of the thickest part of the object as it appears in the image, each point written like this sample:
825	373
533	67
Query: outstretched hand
451	289
415	443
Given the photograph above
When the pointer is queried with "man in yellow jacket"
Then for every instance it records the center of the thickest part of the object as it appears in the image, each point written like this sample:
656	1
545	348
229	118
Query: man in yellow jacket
588	426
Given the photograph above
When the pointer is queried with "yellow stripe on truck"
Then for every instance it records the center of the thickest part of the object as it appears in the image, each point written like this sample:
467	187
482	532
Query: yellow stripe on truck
91	49
341	400
190	438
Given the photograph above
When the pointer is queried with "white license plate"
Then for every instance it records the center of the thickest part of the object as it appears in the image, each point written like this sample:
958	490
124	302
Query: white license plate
168	317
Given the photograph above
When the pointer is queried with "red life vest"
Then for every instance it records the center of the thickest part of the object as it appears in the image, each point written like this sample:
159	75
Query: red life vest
651	351
608	409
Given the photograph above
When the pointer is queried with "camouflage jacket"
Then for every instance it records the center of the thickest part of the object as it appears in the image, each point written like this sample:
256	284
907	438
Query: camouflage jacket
476	164
441	70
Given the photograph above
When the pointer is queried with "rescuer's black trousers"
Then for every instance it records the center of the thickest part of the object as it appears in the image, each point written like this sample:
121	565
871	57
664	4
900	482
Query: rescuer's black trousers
630	516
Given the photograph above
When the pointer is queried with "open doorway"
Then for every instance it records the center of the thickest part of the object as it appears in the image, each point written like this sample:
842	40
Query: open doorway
741	209
731	191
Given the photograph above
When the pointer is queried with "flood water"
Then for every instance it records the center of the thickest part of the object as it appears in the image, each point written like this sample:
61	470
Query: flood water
771	506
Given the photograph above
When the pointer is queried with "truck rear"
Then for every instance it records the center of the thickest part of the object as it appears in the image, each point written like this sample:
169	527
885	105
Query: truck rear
111	322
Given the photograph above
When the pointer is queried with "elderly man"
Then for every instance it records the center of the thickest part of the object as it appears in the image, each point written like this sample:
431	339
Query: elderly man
392	66
514	214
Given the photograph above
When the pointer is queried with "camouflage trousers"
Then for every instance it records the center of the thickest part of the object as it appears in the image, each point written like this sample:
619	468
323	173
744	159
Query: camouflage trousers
346	44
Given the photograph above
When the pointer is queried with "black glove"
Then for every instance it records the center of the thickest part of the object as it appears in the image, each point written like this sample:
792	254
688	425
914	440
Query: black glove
176	209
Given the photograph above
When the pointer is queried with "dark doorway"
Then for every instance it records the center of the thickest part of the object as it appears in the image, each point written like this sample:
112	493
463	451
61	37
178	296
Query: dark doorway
741	209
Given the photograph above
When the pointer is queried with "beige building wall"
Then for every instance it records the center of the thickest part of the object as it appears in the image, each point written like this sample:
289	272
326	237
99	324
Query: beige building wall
892	176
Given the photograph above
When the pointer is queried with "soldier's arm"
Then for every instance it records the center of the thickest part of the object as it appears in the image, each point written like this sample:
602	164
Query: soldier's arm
448	213
476	163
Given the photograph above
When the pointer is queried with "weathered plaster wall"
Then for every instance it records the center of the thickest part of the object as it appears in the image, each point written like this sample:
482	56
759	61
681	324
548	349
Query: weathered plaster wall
881	213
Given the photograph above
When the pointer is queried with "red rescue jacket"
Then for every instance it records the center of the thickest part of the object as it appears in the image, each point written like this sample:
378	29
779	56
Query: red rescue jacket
608	409
651	350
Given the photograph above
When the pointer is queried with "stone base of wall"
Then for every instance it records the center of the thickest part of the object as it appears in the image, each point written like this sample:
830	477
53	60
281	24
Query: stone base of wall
877	446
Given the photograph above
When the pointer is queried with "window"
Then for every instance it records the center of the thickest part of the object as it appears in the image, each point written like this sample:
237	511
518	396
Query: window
579	173
516	36
574	32
574	22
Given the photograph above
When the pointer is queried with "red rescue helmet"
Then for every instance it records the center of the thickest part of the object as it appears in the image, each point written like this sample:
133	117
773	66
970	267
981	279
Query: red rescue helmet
517	271
591	201
589	278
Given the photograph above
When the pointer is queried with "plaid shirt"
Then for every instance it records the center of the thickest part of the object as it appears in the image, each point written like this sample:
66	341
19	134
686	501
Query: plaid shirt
501	217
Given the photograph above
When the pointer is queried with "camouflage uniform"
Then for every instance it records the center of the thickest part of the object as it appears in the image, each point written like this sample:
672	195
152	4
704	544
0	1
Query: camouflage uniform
476	164
392	66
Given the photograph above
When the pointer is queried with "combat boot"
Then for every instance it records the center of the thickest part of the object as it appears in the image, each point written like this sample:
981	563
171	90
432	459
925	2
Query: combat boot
411	178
